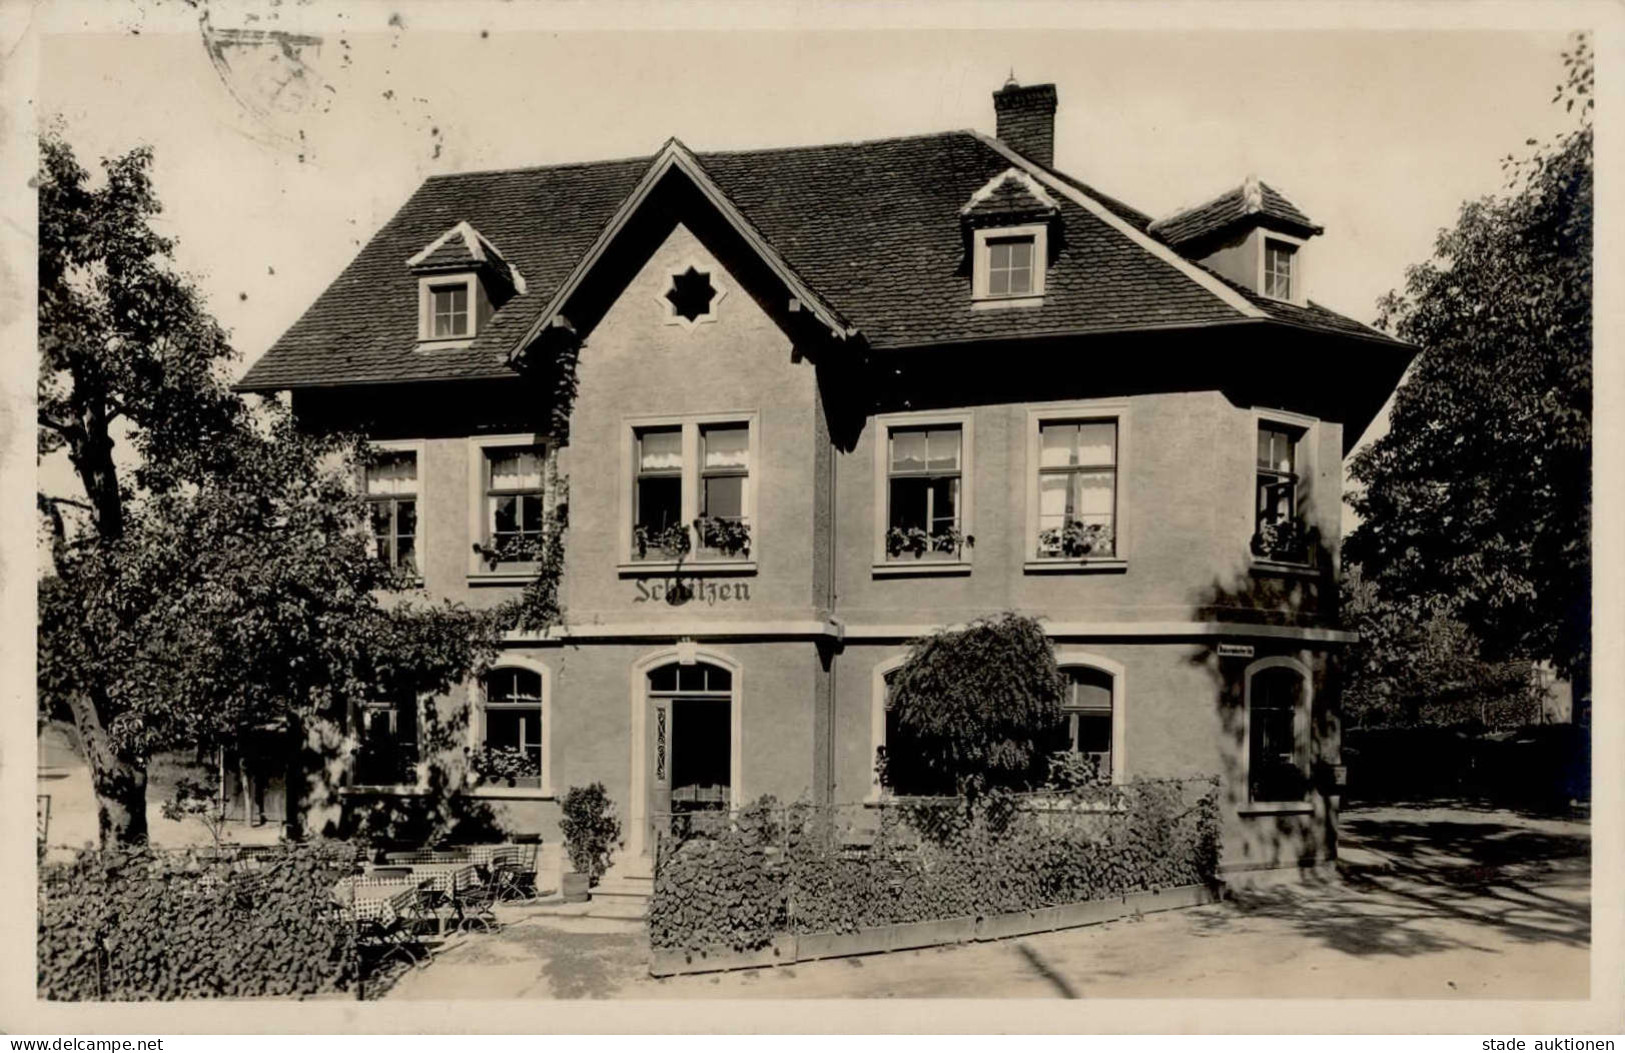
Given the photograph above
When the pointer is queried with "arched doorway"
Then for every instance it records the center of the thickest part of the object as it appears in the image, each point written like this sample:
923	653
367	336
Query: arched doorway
689	759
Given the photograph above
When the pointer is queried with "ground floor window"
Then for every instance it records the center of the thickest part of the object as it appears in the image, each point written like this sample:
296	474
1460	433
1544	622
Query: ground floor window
387	750
510	750
1277	731
1086	715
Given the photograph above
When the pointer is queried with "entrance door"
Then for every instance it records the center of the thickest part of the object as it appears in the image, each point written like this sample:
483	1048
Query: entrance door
690	745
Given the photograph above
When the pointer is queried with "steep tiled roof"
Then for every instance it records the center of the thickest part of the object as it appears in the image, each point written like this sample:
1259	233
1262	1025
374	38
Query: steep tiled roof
872	227
1011	192
1249	199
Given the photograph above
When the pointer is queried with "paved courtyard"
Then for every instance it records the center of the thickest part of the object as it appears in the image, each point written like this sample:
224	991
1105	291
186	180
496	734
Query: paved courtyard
1432	903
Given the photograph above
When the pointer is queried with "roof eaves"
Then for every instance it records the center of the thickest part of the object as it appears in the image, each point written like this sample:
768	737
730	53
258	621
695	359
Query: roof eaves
1139	237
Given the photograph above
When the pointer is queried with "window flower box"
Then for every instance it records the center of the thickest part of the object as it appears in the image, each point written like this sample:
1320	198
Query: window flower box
504	765
672	542
945	541
729	537
1076	540
1282	541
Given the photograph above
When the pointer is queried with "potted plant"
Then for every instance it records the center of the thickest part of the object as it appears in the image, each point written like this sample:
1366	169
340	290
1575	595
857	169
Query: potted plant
731	537
502	764
1284	540
672	541
515	548
902	540
591	834
1075	540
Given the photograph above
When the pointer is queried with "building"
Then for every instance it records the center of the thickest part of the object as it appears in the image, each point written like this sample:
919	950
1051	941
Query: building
827	399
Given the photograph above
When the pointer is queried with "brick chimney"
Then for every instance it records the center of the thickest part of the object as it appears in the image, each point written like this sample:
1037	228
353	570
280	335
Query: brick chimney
1026	120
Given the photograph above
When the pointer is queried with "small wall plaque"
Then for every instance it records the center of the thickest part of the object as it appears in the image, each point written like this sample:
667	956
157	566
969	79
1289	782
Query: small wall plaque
1235	650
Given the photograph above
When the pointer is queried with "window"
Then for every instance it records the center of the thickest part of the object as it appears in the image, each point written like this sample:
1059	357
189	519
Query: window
923	493
392	484
1010	266
387	754
511	746
1077	489
657	512
1277	732
1278	257
514	492
691	490
1278	531
448	311
724	486
1086	712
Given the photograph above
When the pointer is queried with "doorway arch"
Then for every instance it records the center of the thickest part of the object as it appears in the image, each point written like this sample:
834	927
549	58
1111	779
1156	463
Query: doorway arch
643	737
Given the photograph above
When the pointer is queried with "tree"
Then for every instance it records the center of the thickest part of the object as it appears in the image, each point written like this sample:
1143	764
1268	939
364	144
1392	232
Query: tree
1476	505
229	585
975	709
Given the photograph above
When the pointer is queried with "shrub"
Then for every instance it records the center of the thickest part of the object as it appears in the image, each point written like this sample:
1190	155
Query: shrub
591	831
806	869
975	709
137	924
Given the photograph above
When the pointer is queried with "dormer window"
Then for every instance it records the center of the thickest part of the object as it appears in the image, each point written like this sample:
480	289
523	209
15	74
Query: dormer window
1009	265
448	311
1278	260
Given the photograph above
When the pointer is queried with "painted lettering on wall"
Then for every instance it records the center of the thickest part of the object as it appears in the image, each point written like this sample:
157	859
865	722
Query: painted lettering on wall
678	591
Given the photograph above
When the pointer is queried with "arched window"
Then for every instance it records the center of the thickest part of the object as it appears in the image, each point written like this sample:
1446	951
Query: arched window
511	729
1278	736
1086	715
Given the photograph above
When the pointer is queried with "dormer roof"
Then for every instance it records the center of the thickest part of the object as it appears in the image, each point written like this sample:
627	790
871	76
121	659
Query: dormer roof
1254	202
462	248
1012	195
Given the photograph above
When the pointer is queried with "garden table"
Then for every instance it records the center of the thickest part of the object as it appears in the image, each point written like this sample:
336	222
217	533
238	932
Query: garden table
376	899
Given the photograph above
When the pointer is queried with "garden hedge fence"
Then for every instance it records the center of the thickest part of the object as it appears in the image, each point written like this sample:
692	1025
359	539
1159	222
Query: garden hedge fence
737	882
139	924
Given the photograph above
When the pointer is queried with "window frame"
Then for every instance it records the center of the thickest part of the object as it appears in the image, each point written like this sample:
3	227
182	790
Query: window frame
883	565
427	285
359	712
668	310
1295	244
628	564
1306	466
1302	734
478	705
1077	411
982	239
417	448
1073	658
480	572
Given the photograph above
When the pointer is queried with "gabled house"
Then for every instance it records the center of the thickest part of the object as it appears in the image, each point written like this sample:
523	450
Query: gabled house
827	399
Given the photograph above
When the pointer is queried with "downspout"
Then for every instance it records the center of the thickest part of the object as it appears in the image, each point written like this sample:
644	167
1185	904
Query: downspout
830	599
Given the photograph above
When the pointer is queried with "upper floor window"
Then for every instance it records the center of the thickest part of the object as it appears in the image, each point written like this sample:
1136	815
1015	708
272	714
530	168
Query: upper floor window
1077	489
1009	264
1278	260
450	310
448	307
924	480
1277	732
514	493
691	490
392	487
1279	532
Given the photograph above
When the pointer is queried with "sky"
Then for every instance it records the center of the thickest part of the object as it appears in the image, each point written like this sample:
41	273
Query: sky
271	183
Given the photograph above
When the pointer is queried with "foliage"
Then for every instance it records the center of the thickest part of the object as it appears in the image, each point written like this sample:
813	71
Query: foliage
1071	770
1405	673
916	541
812	870
730	536
192	799
1282	539
1075	540
230	587
503	763
134	924
975	709
591	830
1476	505
672	541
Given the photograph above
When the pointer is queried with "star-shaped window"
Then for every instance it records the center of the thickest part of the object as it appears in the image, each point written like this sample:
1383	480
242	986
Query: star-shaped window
691	294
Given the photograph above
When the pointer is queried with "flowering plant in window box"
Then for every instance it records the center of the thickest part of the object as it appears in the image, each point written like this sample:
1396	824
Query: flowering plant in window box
901	540
1283	540
672	542
515	548
728	536
1075	540
498	764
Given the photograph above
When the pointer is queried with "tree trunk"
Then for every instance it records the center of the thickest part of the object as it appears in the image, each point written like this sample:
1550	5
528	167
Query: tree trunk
119	782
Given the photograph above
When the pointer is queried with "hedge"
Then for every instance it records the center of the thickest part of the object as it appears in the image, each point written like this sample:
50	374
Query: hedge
772	870
139	924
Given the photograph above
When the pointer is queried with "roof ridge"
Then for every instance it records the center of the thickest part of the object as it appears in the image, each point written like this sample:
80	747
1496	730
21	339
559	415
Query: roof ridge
1214	200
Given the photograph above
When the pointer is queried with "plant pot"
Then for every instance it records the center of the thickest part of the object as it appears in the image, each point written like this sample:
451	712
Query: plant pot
576	887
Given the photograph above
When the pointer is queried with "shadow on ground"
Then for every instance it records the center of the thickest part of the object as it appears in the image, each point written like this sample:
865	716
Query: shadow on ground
1424	884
